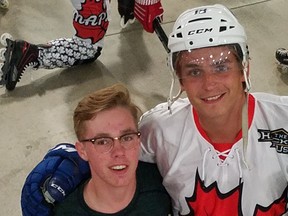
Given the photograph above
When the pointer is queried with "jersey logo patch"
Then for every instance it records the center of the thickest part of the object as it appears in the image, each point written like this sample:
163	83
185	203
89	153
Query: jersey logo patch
278	139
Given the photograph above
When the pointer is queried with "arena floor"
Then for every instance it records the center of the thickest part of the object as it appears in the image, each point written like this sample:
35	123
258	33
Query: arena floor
37	115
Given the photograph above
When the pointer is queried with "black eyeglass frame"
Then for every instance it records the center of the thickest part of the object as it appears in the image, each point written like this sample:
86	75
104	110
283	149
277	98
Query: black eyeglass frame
92	140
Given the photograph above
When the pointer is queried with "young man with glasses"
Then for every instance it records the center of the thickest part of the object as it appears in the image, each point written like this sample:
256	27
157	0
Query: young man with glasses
105	124
104	175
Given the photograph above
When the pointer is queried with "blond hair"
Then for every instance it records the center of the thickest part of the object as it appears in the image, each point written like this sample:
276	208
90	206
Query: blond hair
103	99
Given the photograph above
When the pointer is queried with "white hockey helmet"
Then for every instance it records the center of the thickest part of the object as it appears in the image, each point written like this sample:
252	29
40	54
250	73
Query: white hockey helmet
206	26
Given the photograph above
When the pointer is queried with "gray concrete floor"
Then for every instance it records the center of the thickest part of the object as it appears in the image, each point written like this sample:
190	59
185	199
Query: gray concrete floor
38	113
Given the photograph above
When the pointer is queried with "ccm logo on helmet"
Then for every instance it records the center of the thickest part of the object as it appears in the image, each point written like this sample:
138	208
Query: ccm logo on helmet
200	31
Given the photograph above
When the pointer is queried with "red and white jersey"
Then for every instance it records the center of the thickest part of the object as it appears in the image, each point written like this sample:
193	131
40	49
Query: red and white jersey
250	180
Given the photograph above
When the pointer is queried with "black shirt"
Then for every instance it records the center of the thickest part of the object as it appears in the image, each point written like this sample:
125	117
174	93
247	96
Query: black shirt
150	198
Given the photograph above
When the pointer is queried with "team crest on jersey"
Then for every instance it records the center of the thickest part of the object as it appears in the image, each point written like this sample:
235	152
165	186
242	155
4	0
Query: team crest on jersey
208	200
218	202
278	139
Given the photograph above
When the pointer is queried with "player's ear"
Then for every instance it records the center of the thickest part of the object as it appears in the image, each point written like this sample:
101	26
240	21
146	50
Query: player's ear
181	85
178	76
81	149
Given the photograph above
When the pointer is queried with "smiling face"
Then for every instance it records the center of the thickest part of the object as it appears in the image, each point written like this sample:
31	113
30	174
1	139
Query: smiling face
213	80
116	168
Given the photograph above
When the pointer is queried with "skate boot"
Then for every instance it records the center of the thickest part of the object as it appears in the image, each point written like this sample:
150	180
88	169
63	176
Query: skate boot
126	11
19	55
282	56
4	4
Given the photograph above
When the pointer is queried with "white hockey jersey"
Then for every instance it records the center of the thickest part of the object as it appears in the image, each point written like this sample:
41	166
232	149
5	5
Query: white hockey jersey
252	180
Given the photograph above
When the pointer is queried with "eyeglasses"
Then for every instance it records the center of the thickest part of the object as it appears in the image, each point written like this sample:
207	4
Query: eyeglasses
106	144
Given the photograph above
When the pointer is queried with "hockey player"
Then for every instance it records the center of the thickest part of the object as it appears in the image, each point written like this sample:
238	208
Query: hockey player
90	22
221	150
4	4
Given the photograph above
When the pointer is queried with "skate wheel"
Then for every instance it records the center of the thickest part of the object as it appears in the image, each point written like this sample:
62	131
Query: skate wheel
4	4
2	81
3	38
1	72
2	54
283	69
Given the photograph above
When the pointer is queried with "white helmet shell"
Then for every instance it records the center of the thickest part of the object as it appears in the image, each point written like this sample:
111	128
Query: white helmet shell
207	26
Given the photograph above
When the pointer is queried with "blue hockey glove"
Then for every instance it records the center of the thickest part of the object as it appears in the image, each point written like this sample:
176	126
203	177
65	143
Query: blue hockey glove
56	176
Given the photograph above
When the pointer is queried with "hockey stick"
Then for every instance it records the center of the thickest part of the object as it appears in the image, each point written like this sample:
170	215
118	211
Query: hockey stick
164	40
161	33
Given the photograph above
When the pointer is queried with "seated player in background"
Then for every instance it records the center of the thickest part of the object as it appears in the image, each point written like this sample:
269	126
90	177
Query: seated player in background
90	21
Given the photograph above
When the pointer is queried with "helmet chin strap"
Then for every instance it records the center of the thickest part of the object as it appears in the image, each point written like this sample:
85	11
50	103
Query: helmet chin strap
245	128
246	76
245	121
171	99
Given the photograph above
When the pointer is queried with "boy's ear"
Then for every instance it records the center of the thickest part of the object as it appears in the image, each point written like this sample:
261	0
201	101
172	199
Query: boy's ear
81	149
